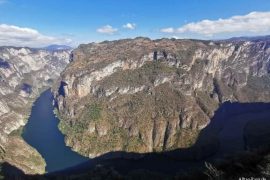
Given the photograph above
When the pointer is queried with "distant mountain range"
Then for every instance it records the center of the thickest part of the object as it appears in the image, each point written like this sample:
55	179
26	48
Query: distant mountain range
54	47
249	38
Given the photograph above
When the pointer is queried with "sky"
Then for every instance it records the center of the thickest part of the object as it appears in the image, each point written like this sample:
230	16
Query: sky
38	23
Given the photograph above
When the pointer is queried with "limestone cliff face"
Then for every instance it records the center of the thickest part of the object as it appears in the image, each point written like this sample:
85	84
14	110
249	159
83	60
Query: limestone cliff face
143	95
24	73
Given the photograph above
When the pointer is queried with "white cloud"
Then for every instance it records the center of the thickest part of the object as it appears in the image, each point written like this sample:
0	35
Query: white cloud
20	36
130	26
254	22
107	30
167	30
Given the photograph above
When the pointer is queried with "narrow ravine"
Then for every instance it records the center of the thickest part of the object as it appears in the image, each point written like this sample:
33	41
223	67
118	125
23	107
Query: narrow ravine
42	133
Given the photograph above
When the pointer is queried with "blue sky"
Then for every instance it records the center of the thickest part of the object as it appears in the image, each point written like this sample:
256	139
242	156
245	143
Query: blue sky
41	22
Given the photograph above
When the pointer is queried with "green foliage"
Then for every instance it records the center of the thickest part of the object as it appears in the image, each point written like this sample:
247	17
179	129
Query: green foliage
141	76
79	127
133	144
94	111
160	67
63	127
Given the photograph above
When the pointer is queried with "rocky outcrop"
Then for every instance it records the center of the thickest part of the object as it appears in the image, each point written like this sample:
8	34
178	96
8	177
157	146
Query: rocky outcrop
142	95
24	73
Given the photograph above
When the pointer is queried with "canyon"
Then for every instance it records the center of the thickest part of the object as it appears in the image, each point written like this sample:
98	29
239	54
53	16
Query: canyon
24	74
143	95
138	96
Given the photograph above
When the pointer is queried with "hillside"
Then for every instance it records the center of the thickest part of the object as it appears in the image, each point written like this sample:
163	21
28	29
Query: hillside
142	95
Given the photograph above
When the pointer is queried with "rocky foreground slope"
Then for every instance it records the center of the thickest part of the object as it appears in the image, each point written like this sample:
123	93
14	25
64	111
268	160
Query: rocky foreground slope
24	73
142	95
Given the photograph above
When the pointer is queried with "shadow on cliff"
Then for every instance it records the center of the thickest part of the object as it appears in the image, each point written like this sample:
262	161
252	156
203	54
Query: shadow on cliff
207	147
11	172
227	125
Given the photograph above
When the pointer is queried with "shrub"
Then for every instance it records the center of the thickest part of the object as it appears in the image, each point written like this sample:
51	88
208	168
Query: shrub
94	111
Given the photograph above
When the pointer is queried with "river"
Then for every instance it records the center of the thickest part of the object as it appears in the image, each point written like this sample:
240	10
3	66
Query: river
42	133
228	124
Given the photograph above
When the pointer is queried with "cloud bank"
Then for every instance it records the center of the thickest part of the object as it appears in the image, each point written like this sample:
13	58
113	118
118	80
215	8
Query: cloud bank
254	22
20	36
